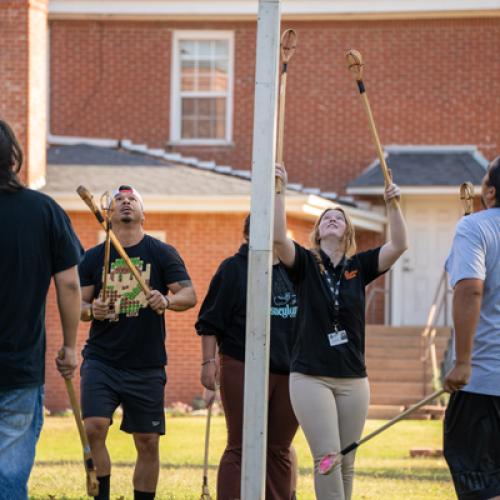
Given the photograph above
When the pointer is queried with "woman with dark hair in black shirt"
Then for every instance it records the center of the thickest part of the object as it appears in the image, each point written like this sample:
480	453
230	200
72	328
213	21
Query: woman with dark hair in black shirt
222	321
329	388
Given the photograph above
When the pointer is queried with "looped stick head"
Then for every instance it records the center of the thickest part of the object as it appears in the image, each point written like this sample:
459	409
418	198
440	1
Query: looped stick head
107	202
328	463
288	45
467	197
355	63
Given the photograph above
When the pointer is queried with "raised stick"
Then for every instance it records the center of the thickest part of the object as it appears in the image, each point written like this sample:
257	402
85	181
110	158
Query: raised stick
92	482
355	65
328	462
288	45
87	197
106	206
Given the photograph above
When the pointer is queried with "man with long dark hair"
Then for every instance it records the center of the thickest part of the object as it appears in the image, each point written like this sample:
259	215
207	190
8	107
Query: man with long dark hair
472	422
37	242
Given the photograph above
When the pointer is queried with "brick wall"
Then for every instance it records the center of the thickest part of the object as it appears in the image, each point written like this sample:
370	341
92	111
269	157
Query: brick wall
429	82
23	56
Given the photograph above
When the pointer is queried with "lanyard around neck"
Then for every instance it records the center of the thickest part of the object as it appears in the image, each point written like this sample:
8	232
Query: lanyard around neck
333	286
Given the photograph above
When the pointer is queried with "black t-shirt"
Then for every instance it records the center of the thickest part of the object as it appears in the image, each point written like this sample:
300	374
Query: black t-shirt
223	312
313	352
135	337
36	242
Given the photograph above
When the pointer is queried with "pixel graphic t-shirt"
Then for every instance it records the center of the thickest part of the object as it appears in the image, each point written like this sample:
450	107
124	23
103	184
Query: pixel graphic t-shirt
135	336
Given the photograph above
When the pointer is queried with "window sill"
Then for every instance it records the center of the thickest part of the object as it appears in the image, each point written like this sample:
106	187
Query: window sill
201	142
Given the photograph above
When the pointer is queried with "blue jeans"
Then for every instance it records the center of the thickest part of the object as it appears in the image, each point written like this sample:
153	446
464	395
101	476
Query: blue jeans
21	419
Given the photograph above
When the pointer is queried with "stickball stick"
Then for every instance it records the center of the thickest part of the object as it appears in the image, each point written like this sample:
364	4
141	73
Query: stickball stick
87	197
355	65
328	462
92	482
287	49
106	205
205	492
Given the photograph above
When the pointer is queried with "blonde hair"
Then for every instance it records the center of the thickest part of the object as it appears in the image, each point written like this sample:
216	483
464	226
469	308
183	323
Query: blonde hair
349	238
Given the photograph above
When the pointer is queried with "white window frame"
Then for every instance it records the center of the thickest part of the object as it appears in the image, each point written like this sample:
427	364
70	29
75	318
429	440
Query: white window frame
175	94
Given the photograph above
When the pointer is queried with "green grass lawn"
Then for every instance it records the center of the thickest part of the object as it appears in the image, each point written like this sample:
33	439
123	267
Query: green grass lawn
384	469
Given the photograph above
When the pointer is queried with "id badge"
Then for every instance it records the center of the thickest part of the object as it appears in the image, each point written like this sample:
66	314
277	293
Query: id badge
337	337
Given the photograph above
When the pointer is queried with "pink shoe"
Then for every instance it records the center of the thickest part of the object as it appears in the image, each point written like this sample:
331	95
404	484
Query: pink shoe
328	462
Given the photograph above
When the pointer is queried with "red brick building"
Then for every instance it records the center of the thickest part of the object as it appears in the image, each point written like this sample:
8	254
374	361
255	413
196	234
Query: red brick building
179	77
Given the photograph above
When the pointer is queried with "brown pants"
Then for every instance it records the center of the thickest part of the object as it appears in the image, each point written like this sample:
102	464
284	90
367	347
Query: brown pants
282	426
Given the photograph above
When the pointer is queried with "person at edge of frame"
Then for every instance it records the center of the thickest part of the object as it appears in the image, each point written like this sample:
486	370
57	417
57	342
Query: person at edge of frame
222	321
124	356
37	243
329	387
472	419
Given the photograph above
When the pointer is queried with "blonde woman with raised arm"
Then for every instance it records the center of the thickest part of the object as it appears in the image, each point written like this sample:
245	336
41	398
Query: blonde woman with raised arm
329	387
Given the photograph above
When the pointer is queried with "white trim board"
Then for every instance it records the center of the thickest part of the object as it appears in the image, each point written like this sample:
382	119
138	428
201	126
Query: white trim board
173	9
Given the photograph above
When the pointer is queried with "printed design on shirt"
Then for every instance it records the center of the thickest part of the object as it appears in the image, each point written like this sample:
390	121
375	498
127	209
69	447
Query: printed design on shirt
125	294
349	275
284	300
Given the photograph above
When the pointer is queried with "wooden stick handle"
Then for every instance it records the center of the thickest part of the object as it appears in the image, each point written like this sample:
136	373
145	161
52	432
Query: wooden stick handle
376	139
107	245
85	195
355	65
92	482
396	419
287	49
281	128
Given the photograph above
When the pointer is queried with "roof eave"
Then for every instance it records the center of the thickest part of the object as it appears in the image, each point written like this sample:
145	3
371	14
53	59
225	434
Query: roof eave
408	190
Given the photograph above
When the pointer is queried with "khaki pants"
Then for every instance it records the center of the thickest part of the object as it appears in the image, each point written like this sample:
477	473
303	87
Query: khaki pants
332	414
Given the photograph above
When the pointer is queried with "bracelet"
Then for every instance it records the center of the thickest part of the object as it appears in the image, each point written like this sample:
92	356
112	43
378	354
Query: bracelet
168	302
211	360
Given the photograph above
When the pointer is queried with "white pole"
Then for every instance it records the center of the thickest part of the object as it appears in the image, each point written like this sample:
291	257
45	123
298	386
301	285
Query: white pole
260	256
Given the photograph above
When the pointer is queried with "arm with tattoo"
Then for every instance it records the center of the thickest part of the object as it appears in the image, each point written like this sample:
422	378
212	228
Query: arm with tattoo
182	296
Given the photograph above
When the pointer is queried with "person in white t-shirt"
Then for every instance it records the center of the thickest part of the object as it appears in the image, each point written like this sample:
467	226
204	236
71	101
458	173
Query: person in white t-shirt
472	421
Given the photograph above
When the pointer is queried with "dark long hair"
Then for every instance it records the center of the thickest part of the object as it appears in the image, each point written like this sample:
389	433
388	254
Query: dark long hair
11	159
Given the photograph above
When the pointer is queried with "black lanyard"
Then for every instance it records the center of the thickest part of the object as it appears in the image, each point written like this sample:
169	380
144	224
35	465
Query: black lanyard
334	288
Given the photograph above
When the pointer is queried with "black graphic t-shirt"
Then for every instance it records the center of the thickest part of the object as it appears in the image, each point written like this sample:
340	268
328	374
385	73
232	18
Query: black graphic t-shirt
318	350
36	242
135	337
223	312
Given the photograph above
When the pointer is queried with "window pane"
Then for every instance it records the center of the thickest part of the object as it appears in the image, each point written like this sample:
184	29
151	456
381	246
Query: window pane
188	74
220	76
188	129
205	48
187	48
204	75
205	129
203	118
188	108
222	48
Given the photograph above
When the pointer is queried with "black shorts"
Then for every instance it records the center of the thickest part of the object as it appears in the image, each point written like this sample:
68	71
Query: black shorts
472	444
139	391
